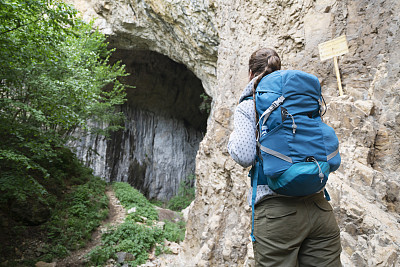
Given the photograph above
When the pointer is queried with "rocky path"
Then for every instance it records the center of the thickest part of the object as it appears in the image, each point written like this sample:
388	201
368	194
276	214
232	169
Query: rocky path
116	216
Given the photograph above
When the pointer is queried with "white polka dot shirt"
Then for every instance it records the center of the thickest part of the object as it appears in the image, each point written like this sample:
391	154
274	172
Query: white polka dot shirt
242	142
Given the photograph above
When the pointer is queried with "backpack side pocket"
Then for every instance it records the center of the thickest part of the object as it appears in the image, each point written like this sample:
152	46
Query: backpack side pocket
274	151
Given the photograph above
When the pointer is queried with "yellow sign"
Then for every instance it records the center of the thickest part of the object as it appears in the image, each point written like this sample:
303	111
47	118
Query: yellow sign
333	48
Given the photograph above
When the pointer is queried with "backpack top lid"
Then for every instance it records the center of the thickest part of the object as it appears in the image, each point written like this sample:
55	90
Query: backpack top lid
300	89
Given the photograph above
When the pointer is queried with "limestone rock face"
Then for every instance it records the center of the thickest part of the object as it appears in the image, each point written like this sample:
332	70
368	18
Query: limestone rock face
214	39
154	153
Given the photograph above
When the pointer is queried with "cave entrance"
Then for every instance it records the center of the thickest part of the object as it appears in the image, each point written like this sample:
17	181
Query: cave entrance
166	118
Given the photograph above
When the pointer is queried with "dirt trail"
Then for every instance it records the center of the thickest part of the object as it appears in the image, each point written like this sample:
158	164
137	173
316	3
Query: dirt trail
116	216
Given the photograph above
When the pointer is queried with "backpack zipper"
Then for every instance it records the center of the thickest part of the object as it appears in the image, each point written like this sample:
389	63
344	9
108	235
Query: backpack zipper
320	173
294	126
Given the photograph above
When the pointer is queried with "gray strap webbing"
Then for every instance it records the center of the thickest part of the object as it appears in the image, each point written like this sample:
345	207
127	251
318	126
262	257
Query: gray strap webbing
275	153
271	108
334	153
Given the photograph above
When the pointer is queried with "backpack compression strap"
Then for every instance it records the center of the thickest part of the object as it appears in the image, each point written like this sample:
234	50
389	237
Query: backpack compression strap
274	153
333	154
271	108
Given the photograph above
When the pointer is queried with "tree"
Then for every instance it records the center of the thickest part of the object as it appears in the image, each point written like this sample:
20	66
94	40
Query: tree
54	76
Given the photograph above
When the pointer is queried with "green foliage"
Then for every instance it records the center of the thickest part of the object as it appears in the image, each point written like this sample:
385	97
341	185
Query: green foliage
75	218
205	105
78	204
54	76
132	198
133	236
129	237
185	196
54	66
161	250
174	232
158	203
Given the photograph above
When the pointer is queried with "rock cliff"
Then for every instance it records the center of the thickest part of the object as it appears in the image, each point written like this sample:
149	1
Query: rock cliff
214	39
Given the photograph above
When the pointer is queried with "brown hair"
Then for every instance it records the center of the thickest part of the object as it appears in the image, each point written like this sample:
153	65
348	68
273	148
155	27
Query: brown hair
261	63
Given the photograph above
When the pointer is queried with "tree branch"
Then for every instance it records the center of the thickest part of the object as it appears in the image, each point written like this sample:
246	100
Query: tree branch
19	26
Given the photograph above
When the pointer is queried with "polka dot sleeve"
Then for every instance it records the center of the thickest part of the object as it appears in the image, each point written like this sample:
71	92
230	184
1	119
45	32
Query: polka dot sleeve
242	141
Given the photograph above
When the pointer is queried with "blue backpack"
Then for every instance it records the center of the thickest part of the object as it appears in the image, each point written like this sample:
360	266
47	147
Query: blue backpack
297	149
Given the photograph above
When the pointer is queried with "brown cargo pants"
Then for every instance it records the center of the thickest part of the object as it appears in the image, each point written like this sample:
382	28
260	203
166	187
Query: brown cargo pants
296	231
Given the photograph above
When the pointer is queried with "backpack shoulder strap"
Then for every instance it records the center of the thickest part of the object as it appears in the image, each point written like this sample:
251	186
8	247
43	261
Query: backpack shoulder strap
247	98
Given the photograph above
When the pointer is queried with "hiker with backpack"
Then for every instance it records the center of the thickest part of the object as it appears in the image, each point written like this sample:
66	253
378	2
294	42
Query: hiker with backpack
278	131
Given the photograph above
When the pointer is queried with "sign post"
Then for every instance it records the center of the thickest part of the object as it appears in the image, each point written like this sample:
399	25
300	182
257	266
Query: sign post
333	49
339	81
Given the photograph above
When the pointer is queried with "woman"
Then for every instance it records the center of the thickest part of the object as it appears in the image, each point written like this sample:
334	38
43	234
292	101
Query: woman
288	231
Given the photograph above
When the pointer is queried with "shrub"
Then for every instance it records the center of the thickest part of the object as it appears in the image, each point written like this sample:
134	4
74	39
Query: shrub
130	237
75	218
185	196
76	203
132	198
174	232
